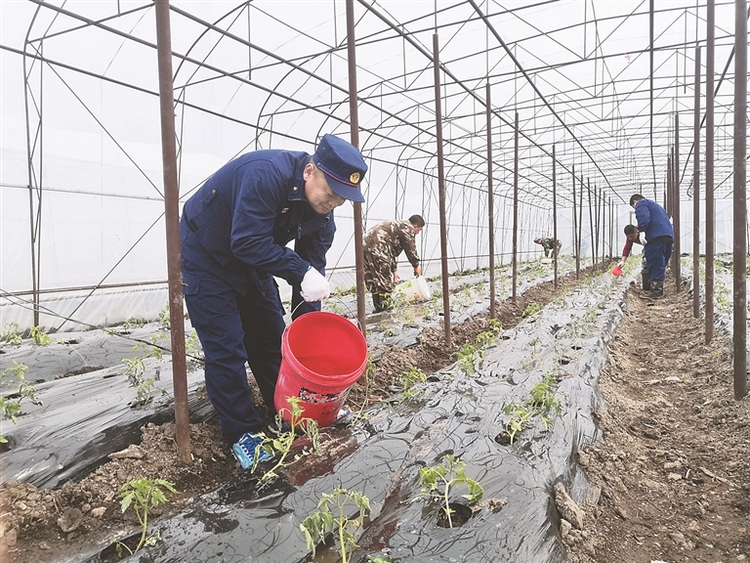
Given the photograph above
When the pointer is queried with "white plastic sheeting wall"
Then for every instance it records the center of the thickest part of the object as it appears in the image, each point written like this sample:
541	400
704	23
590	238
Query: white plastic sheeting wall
92	136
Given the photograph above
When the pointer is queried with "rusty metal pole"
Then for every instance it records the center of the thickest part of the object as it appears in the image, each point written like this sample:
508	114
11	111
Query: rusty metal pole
697	187
607	232
605	227
591	222
672	191
651	73
515	211
710	228
612	227
441	191
490	204
580	227
172	219
740	200
595	225
607	211
354	136
575	223
669	210
554	207
676	222
670	176
597	230
600	224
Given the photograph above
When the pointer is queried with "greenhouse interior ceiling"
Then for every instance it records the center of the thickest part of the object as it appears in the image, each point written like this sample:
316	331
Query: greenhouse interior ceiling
514	109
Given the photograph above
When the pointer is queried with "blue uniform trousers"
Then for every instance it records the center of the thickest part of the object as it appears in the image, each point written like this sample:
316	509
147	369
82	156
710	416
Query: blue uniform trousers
658	252
234	329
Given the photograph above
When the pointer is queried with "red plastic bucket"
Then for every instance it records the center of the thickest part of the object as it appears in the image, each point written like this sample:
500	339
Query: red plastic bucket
616	271
322	356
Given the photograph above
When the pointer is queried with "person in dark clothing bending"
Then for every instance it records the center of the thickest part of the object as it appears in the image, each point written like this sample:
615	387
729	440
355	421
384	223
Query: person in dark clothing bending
234	232
657	235
382	246
632	236
550	245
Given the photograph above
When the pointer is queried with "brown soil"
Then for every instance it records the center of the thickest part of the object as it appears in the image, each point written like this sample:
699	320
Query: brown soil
673	467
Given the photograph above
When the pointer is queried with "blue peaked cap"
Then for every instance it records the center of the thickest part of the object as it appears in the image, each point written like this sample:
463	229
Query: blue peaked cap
343	165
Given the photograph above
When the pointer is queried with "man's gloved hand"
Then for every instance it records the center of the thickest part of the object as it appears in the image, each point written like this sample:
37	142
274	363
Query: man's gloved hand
642	238
314	286
417	271
621	265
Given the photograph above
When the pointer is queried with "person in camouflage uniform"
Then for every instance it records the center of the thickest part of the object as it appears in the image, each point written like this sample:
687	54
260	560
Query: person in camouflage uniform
550	245
383	243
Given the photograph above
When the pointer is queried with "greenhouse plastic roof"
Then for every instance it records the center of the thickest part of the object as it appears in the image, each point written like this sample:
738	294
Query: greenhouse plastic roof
581	75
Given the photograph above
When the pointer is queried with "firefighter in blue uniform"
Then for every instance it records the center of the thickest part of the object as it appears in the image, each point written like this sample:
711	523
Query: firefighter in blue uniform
657	236
234	232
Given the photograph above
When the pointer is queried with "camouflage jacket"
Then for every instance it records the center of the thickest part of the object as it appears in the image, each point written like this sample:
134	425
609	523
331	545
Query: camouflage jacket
385	241
549	243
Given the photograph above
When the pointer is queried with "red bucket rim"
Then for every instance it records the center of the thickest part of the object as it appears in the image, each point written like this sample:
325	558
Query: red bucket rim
321	378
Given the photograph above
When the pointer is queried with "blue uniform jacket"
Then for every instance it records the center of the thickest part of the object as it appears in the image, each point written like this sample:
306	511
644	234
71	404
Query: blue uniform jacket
237	225
653	220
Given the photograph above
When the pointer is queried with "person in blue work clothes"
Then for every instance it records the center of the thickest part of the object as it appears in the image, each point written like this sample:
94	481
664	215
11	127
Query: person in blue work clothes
633	236
234	232
657	236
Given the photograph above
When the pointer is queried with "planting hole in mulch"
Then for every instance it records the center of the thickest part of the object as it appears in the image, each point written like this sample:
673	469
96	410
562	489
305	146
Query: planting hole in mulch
460	514
503	438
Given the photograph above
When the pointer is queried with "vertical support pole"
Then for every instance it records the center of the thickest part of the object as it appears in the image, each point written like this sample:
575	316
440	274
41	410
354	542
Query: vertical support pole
575	223
591	221
515	211
670	188
554	207
597	222
740	200
651	38
612	227
697	187
35	156
602	224
580	230
676	192
605	226
710	229
490	203
354	137
672	191
172	219
607	233
668	193
441	191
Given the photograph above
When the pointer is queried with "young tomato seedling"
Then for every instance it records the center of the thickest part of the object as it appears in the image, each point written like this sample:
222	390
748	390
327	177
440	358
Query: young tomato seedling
324	520
437	482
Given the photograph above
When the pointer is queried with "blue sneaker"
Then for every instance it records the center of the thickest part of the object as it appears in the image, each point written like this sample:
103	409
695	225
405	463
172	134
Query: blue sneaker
343	416
248	450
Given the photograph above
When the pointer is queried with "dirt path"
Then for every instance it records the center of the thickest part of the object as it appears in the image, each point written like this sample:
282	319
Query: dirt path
673	467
